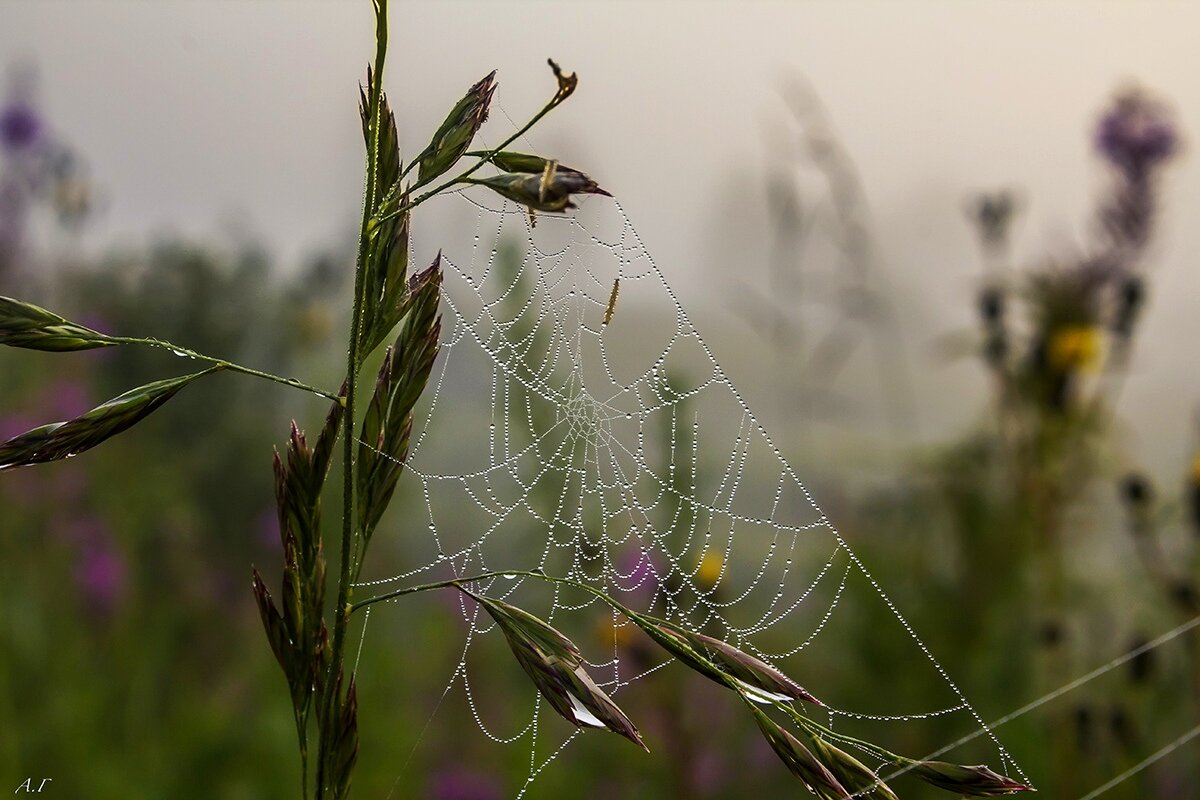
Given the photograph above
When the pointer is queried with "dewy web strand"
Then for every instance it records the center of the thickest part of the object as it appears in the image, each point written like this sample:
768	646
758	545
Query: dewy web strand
586	433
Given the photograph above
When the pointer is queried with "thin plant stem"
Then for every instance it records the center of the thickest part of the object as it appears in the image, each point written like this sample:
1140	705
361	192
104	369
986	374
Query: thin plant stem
302	735
349	512
220	362
456	582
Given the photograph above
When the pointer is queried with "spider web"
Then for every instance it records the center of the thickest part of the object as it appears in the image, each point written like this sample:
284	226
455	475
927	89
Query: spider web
619	454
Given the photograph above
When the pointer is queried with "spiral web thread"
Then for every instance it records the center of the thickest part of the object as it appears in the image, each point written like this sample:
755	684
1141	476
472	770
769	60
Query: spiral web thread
594	451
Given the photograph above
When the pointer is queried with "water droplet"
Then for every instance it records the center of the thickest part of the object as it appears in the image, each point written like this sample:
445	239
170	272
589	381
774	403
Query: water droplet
181	354
510	576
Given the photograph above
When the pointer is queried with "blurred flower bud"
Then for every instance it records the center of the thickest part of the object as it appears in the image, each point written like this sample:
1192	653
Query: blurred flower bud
1130	297
1184	593
991	305
1051	633
1084	728
1122	728
992	213
1136	490
995	348
555	665
20	126
1193	495
977	781
454	136
1136	133
1141	666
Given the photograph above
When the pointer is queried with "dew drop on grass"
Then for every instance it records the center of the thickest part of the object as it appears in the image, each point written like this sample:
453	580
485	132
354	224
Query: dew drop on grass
509	576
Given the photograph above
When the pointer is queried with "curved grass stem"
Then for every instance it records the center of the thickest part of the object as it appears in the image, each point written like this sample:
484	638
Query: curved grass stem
220	362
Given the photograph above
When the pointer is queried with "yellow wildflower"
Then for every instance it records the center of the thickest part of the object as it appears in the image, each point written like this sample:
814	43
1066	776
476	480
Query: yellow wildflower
708	571
1077	347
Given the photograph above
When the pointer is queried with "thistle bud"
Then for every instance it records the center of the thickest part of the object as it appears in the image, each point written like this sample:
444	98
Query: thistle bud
977	781
543	191
454	136
555	665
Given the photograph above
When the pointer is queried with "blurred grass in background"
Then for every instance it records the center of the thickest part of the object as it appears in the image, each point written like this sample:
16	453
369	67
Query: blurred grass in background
1026	551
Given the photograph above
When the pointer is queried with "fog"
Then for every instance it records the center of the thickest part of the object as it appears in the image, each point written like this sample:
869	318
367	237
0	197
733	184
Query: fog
205	117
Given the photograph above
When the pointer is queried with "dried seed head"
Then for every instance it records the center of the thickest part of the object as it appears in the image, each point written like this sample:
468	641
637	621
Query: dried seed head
542	191
566	82
555	665
977	781
454	136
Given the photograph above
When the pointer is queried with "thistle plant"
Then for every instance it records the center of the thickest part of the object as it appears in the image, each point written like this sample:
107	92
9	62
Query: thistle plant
307	619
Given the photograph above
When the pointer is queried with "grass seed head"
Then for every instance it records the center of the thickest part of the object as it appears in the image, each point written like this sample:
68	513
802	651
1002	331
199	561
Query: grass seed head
977	781
555	665
454	136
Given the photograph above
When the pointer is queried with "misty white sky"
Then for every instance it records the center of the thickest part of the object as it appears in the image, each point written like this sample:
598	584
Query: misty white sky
193	113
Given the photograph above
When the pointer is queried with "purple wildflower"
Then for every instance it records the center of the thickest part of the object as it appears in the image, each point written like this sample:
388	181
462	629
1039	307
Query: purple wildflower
15	425
463	784
1136	134
66	399
637	573
267	528
20	126
100	572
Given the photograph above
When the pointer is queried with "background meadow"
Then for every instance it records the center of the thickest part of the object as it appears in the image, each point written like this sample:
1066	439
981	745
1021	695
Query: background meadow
911	233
